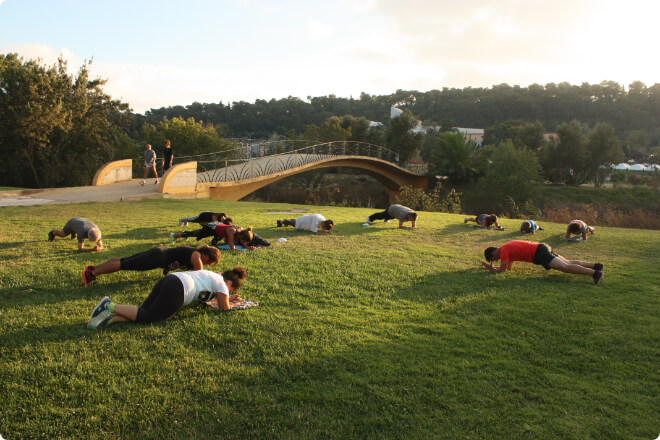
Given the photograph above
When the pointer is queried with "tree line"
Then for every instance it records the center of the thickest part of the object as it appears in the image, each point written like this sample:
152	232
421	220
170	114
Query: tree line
57	129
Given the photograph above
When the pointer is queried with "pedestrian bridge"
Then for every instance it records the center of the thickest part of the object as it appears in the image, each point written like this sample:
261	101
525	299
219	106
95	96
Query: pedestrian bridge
233	174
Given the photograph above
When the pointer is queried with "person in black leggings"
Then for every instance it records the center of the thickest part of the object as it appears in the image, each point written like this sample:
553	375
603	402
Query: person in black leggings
172	293
168	259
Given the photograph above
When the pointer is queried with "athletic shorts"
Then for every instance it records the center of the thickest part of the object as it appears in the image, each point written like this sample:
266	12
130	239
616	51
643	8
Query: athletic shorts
544	255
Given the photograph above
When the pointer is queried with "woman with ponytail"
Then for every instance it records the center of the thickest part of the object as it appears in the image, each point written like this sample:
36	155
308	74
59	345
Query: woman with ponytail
168	259
171	294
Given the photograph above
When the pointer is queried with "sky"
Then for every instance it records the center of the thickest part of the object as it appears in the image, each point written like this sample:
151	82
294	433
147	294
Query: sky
156	53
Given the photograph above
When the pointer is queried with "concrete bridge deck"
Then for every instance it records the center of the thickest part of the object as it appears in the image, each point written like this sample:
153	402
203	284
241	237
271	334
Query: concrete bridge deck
129	190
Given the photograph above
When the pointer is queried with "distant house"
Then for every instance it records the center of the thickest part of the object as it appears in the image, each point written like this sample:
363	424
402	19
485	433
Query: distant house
551	136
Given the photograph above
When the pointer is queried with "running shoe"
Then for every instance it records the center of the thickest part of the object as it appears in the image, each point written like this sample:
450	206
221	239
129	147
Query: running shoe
51	236
598	276
100	320
88	277
172	239
598	266
101	306
142	182
156	182
279	223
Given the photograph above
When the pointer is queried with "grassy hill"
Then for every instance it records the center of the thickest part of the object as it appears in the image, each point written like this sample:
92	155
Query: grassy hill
369	332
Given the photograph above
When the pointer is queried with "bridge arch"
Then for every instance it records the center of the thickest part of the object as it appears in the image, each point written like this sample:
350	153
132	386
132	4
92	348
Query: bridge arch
390	175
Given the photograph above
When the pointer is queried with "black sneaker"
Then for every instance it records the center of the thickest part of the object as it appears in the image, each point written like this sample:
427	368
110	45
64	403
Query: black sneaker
598	266
214	241
100	307
51	236
87	276
598	277
279	223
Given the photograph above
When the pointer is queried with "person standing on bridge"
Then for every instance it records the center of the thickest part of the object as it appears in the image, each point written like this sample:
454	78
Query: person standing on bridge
168	155
402	213
149	164
81	228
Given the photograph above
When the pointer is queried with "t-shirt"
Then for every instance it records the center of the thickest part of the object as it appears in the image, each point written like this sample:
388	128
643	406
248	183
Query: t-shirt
533	228
198	281
149	157
179	258
167	155
79	226
221	230
481	219
518	250
583	226
399	212
310	222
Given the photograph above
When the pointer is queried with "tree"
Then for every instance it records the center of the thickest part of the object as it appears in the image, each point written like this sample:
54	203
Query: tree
399	139
512	175
565	159
54	129
603	149
457	158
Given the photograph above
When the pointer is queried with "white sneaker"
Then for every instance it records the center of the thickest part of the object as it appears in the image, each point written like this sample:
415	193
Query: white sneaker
367	221
156	182
387	221
142	182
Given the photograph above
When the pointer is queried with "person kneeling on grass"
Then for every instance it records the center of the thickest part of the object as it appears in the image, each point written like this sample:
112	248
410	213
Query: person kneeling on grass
580	228
529	227
484	220
401	213
207	230
540	254
310	222
168	259
81	228
171	294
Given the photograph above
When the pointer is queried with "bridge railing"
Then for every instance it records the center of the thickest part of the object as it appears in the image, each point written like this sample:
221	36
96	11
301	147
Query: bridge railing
256	159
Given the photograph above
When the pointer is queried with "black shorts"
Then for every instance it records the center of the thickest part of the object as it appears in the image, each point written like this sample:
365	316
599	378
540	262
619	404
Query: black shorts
544	255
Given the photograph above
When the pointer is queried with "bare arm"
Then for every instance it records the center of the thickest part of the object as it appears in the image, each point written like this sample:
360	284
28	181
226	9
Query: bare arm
196	261
226	302
97	248
506	265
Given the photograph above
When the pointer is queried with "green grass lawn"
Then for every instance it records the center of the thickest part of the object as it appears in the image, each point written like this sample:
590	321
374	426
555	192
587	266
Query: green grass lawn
370	332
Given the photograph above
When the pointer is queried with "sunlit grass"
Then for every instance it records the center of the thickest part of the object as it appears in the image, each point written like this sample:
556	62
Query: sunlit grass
366	333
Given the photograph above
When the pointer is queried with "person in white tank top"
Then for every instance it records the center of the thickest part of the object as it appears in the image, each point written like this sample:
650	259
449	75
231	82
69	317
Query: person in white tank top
171	294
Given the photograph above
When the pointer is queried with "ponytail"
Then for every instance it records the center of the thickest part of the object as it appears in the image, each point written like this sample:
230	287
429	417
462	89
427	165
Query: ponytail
236	276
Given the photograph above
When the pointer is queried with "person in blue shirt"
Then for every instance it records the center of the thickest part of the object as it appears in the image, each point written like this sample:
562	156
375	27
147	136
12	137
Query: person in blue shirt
529	227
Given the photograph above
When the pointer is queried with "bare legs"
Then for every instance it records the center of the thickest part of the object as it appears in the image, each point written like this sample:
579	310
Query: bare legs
124	313
572	266
112	265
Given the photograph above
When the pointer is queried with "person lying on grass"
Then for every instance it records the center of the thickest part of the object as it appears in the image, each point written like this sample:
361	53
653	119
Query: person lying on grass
207	230
579	228
529	227
171	294
81	228
232	234
399	212
309	222
484	220
540	254
168	259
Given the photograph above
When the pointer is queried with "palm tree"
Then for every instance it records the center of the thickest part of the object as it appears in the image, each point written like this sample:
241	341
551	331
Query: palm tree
457	158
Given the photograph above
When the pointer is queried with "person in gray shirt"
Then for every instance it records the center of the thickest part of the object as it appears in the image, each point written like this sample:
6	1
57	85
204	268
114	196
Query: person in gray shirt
401	213
80	228
149	164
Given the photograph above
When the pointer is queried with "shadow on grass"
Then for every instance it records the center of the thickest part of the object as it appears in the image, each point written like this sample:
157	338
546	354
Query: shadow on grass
138	234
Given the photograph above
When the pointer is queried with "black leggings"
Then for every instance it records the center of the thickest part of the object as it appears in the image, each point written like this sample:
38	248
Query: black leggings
147	260
199	233
165	299
385	215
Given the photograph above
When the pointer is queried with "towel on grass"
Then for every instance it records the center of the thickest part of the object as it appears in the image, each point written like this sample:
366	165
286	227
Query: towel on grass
578	239
245	304
494	229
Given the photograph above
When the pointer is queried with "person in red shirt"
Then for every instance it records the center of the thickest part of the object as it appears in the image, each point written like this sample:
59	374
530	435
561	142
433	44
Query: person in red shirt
540	254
